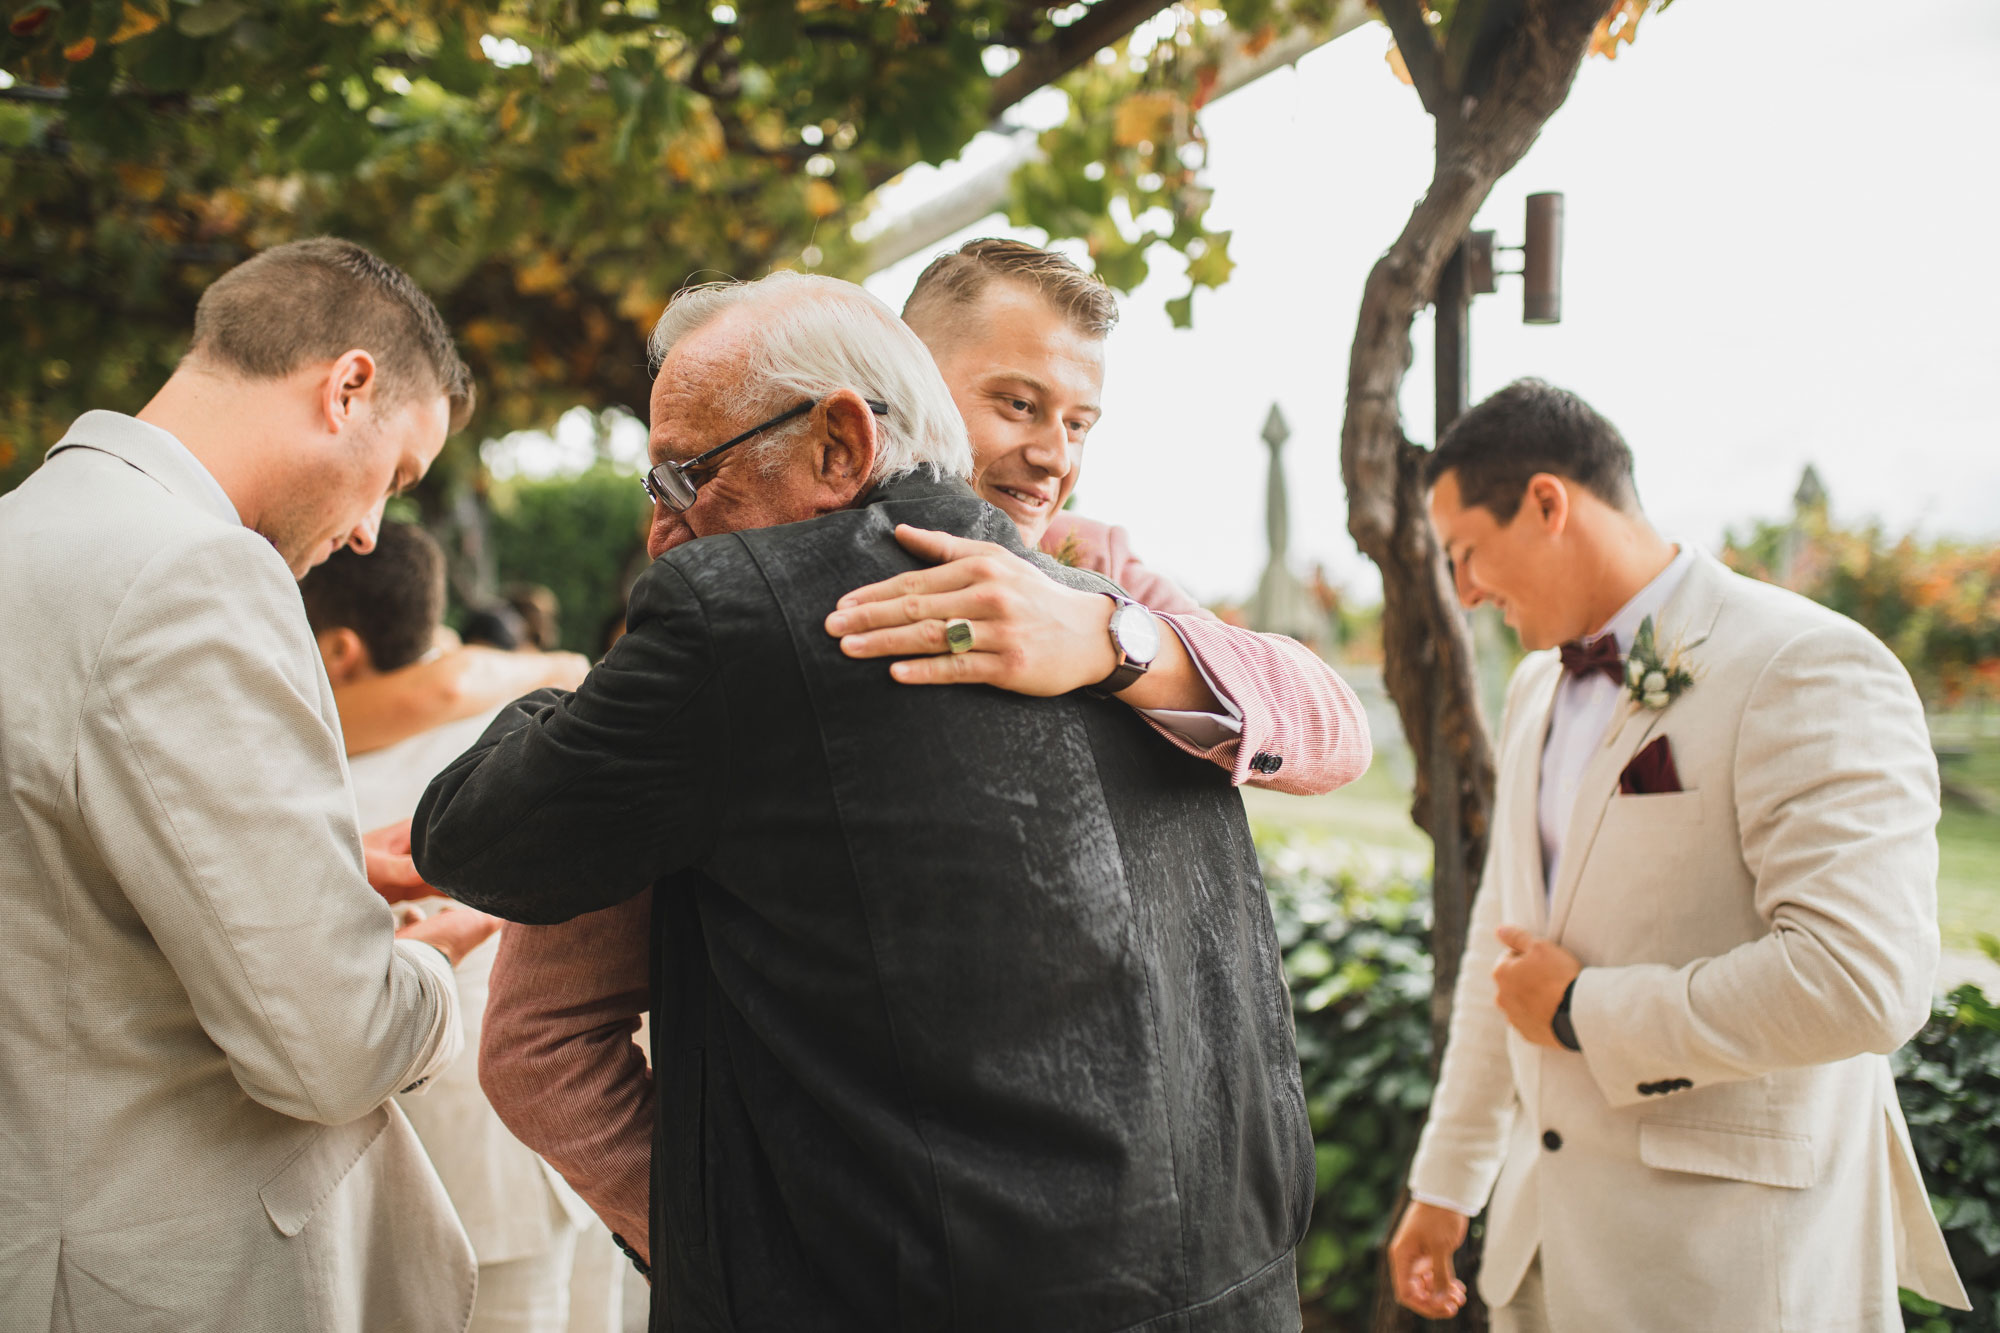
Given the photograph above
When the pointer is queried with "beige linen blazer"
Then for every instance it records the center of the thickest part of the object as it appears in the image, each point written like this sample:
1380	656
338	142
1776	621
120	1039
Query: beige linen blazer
1726	1152
203	1012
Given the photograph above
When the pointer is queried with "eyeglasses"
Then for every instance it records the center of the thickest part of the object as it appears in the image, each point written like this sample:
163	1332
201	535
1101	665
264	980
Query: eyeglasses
670	483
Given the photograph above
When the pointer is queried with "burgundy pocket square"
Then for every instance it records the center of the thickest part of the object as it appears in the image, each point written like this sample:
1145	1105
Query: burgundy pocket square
1651	772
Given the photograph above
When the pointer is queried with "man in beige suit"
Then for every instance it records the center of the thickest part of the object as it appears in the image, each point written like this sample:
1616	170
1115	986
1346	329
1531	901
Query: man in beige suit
203	1011
1708	914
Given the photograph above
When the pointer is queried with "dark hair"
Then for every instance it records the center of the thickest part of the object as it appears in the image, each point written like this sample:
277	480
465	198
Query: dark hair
1526	428
315	299
955	280
393	598
496	626
540	613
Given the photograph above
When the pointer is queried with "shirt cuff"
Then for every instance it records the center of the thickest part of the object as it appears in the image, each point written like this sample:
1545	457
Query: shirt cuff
446	1037
1202	730
1436	1202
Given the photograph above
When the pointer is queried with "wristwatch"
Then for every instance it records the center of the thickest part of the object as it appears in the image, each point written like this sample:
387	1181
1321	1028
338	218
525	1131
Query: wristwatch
1135	639
1560	1025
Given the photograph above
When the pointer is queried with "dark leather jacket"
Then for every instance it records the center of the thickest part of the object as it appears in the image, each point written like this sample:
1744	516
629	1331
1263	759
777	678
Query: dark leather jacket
969	1012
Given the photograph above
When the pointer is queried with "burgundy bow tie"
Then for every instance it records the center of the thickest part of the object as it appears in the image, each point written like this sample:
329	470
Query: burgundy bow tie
1600	654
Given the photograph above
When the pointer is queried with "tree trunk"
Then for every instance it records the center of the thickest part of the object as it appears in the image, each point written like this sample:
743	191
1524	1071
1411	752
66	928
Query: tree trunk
1490	90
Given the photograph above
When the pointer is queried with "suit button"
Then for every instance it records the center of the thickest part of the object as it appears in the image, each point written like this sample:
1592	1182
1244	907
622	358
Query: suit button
1551	1140
1681	1083
1266	762
1648	1089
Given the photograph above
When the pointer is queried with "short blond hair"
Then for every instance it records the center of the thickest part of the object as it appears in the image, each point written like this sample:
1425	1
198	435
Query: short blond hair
955	281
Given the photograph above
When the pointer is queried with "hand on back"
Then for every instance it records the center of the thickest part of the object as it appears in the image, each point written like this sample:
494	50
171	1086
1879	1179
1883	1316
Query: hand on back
1030	634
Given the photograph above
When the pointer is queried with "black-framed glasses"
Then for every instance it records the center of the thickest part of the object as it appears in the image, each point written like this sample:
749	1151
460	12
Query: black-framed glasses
669	483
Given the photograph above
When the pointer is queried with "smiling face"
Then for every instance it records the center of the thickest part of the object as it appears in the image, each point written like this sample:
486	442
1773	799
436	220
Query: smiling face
1521	566
336	484
1030	387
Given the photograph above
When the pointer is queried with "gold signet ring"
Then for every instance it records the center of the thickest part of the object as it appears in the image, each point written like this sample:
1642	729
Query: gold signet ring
958	635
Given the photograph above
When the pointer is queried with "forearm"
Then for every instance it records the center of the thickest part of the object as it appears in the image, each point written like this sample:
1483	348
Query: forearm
558	1062
1172	683
462	682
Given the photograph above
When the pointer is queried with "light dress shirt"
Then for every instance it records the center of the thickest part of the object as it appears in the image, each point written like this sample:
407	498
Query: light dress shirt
1584	707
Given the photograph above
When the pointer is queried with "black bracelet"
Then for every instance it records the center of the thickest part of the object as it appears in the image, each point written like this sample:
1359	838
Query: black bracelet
1560	1025
645	1269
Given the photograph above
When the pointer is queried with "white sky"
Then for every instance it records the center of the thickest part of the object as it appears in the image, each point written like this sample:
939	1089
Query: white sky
1779	222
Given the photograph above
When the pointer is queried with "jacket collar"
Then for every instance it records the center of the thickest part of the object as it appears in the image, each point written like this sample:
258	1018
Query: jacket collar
148	449
925	487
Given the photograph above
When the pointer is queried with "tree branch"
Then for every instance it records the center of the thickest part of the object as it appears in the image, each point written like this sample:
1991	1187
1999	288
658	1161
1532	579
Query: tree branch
1420	53
1477	28
1042	64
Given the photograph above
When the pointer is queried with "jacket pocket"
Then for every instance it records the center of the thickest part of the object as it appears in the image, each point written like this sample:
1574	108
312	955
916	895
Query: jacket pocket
1655	810
292	1196
1731	1152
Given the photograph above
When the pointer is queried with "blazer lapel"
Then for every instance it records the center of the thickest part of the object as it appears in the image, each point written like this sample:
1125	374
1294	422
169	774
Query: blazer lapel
1687	619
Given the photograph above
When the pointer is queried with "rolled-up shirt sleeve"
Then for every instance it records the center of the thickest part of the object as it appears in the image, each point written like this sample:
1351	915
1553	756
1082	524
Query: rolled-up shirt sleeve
558	1061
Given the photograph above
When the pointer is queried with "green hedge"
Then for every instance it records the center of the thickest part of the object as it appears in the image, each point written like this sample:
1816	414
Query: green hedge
1355	933
579	537
1949	1079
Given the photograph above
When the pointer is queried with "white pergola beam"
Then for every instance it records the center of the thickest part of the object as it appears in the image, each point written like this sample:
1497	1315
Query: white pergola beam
984	192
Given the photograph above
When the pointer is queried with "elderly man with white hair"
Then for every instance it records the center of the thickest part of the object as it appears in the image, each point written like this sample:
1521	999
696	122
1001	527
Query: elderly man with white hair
967	1006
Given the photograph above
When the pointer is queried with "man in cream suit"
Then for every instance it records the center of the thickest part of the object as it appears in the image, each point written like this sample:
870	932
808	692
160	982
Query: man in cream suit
1708	914
203	1012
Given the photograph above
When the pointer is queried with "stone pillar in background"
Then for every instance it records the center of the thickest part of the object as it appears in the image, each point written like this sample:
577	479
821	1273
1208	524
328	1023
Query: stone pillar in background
1282	605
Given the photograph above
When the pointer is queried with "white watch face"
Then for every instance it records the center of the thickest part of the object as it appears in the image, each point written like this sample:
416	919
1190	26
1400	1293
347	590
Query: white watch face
1136	633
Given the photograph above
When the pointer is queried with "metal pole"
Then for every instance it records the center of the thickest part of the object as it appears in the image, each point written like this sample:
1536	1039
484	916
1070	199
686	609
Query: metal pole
1452	305
1451	902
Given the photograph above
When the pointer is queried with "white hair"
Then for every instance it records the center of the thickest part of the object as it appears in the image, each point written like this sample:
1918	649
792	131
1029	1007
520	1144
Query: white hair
815	336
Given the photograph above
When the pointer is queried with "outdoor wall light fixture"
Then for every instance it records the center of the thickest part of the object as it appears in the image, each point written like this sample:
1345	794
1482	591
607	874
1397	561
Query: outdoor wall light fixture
1541	261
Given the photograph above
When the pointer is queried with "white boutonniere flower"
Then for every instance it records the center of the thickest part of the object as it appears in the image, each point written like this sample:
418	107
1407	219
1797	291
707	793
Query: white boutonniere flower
1655	678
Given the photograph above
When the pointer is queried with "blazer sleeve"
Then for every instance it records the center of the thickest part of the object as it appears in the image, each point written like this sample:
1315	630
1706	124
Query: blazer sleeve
213	787
572	802
558	1061
1472	1112
1837	803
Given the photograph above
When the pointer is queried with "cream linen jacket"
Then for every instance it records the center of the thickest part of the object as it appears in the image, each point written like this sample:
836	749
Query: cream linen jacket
1727	1152
202	1010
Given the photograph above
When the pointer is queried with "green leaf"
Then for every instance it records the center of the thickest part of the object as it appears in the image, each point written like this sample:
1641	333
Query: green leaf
210	17
1181	311
1212	267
